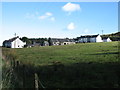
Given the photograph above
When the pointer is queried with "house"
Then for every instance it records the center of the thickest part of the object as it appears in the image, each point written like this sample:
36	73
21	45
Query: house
14	43
59	41
46	43
36	44
33	45
29	45
106	39
90	38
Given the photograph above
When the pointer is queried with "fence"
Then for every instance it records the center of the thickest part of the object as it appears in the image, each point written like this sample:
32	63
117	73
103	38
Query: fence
19	75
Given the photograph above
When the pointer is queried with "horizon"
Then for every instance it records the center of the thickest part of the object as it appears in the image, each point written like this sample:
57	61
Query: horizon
58	19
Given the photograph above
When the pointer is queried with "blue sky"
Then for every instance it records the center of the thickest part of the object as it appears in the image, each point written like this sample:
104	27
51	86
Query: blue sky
58	19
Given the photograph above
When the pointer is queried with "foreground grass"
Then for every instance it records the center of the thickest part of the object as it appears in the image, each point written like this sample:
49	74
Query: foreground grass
69	66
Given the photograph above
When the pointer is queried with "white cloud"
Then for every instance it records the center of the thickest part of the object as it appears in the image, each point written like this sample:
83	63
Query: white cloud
70	7
47	15
42	17
71	26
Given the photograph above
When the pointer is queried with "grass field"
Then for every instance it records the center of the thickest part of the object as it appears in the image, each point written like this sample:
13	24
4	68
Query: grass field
73	66
69	54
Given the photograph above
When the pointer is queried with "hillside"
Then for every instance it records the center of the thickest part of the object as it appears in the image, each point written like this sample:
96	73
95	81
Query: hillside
68	66
113	36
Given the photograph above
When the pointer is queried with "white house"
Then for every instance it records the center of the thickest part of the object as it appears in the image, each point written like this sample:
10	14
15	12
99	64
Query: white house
106	39
14	43
64	41
90	38
46	43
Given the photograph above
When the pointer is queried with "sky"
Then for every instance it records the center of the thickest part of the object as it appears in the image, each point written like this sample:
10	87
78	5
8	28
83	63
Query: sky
58	19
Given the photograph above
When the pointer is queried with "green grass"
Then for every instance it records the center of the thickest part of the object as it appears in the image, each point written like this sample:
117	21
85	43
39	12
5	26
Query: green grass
88	52
69	66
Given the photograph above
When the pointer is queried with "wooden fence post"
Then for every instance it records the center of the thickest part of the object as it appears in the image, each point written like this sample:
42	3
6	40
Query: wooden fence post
17	63
24	76
36	82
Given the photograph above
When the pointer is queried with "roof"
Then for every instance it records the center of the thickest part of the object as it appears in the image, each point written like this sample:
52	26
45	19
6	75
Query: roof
62	40
105	37
89	36
12	39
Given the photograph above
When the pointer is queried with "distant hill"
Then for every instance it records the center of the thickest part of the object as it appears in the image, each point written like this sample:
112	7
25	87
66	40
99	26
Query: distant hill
113	36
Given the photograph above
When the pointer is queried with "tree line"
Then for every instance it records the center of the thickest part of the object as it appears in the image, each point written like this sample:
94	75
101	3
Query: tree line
36	40
113	36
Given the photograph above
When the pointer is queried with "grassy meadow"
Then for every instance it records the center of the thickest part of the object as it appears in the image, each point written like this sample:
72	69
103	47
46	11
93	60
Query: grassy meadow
70	66
69	54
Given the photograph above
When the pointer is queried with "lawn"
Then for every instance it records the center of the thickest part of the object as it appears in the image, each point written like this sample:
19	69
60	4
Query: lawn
80	65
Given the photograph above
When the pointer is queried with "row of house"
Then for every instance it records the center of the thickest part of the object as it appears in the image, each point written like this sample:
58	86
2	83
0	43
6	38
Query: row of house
17	43
65	41
93	38
45	43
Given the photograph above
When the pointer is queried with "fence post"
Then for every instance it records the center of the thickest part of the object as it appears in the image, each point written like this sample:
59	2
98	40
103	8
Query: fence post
36	82
17	63
24	76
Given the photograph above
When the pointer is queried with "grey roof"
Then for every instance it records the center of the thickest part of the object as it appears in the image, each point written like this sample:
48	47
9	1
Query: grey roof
89	36
12	39
105	37
62	40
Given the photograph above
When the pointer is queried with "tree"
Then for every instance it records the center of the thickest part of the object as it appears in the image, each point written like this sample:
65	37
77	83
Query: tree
42	41
50	41
25	39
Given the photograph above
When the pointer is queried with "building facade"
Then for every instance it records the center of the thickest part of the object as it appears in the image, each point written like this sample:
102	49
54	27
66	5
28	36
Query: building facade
59	41
90	38
14	43
106	39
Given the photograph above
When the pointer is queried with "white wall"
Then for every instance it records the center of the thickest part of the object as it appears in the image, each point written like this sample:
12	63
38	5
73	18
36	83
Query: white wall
99	39
63	43
56	43
18	43
107	40
67	43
